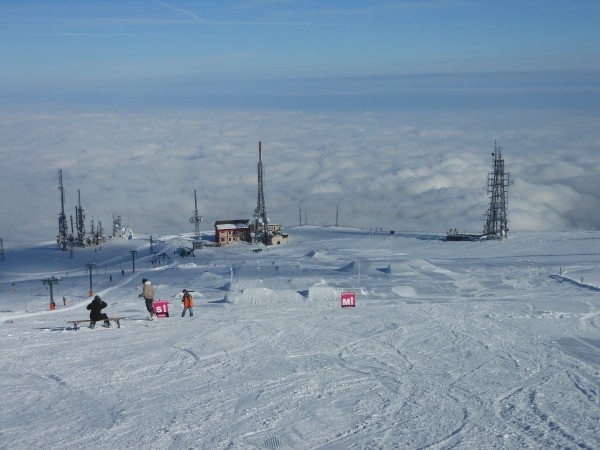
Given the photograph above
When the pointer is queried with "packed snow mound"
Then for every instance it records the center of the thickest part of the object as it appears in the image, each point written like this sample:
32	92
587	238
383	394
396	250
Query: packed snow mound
350	267
324	294
209	276
263	296
360	267
404	291
314	255
403	268
293	283
266	296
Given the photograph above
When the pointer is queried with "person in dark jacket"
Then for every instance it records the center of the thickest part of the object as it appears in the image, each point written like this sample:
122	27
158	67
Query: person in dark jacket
96	313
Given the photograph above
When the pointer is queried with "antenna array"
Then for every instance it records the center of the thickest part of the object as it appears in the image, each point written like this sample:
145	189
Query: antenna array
496	221
260	213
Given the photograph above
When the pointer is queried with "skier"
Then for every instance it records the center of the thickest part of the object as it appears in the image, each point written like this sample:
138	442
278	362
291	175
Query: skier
148	294
52	305
187	303
96	313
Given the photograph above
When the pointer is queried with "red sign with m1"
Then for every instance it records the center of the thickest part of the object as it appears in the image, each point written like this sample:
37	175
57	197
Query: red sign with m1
348	299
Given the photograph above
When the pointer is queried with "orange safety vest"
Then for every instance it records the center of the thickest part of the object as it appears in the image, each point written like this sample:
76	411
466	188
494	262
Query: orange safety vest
187	300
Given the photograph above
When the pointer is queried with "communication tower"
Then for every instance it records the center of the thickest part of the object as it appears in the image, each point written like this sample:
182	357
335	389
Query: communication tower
117	228
80	222
196	219
100	233
496	221
92	231
261	230
62	238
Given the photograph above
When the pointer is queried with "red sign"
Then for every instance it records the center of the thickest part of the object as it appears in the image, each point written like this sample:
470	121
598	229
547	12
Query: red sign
161	308
348	299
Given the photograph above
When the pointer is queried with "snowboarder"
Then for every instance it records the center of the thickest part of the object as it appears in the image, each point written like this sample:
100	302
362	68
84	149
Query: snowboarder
96	313
52	305
187	303
148	294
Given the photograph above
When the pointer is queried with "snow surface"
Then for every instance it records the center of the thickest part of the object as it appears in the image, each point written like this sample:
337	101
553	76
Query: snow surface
451	345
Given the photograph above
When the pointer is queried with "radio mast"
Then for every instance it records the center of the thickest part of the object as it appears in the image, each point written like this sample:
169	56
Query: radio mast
260	213
196	219
496	221
80	222
63	228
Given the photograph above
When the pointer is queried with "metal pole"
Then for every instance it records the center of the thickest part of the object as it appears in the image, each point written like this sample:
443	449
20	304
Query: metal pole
51	281
133	252
89	267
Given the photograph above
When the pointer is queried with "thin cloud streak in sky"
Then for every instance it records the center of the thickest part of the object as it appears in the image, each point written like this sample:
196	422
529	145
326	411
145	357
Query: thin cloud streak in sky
187	13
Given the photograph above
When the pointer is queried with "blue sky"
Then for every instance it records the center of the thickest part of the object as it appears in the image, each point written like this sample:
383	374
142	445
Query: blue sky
109	47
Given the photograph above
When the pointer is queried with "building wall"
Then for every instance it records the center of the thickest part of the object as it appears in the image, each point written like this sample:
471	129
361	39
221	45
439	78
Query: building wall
279	239
227	235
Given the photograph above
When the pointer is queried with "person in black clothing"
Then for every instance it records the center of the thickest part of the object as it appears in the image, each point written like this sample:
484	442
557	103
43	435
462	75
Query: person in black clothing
95	309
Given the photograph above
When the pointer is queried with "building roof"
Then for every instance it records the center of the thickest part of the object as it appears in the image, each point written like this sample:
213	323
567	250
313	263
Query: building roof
231	224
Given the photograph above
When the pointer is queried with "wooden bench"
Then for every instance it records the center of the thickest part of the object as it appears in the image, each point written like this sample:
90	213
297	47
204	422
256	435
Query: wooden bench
117	320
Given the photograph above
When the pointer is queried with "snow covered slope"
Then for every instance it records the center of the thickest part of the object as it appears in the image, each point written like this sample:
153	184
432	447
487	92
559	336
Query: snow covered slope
450	345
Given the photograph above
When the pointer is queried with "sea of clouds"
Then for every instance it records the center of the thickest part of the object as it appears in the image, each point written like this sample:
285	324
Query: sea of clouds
404	169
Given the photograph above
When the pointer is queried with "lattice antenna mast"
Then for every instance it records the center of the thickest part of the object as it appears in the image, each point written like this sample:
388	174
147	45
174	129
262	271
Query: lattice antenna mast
196	218
116	225
260	213
80	222
496	222
63	227
100	232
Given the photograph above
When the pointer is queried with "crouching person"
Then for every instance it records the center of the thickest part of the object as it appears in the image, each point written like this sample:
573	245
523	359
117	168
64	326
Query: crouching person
96	313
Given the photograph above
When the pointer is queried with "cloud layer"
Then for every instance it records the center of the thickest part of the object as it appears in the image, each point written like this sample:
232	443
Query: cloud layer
395	170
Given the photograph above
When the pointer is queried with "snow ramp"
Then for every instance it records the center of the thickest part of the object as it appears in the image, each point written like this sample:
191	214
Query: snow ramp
263	296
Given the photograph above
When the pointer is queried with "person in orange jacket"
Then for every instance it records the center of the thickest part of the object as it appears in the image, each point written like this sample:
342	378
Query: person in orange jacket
188	302
52	305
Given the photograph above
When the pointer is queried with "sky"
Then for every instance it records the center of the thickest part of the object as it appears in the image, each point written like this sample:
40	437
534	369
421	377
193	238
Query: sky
63	47
384	111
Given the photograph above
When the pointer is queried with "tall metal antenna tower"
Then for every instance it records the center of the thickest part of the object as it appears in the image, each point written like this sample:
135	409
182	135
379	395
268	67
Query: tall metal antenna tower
80	222
260	213
196	218
496	221
63	228
116	225
100	233
92	237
